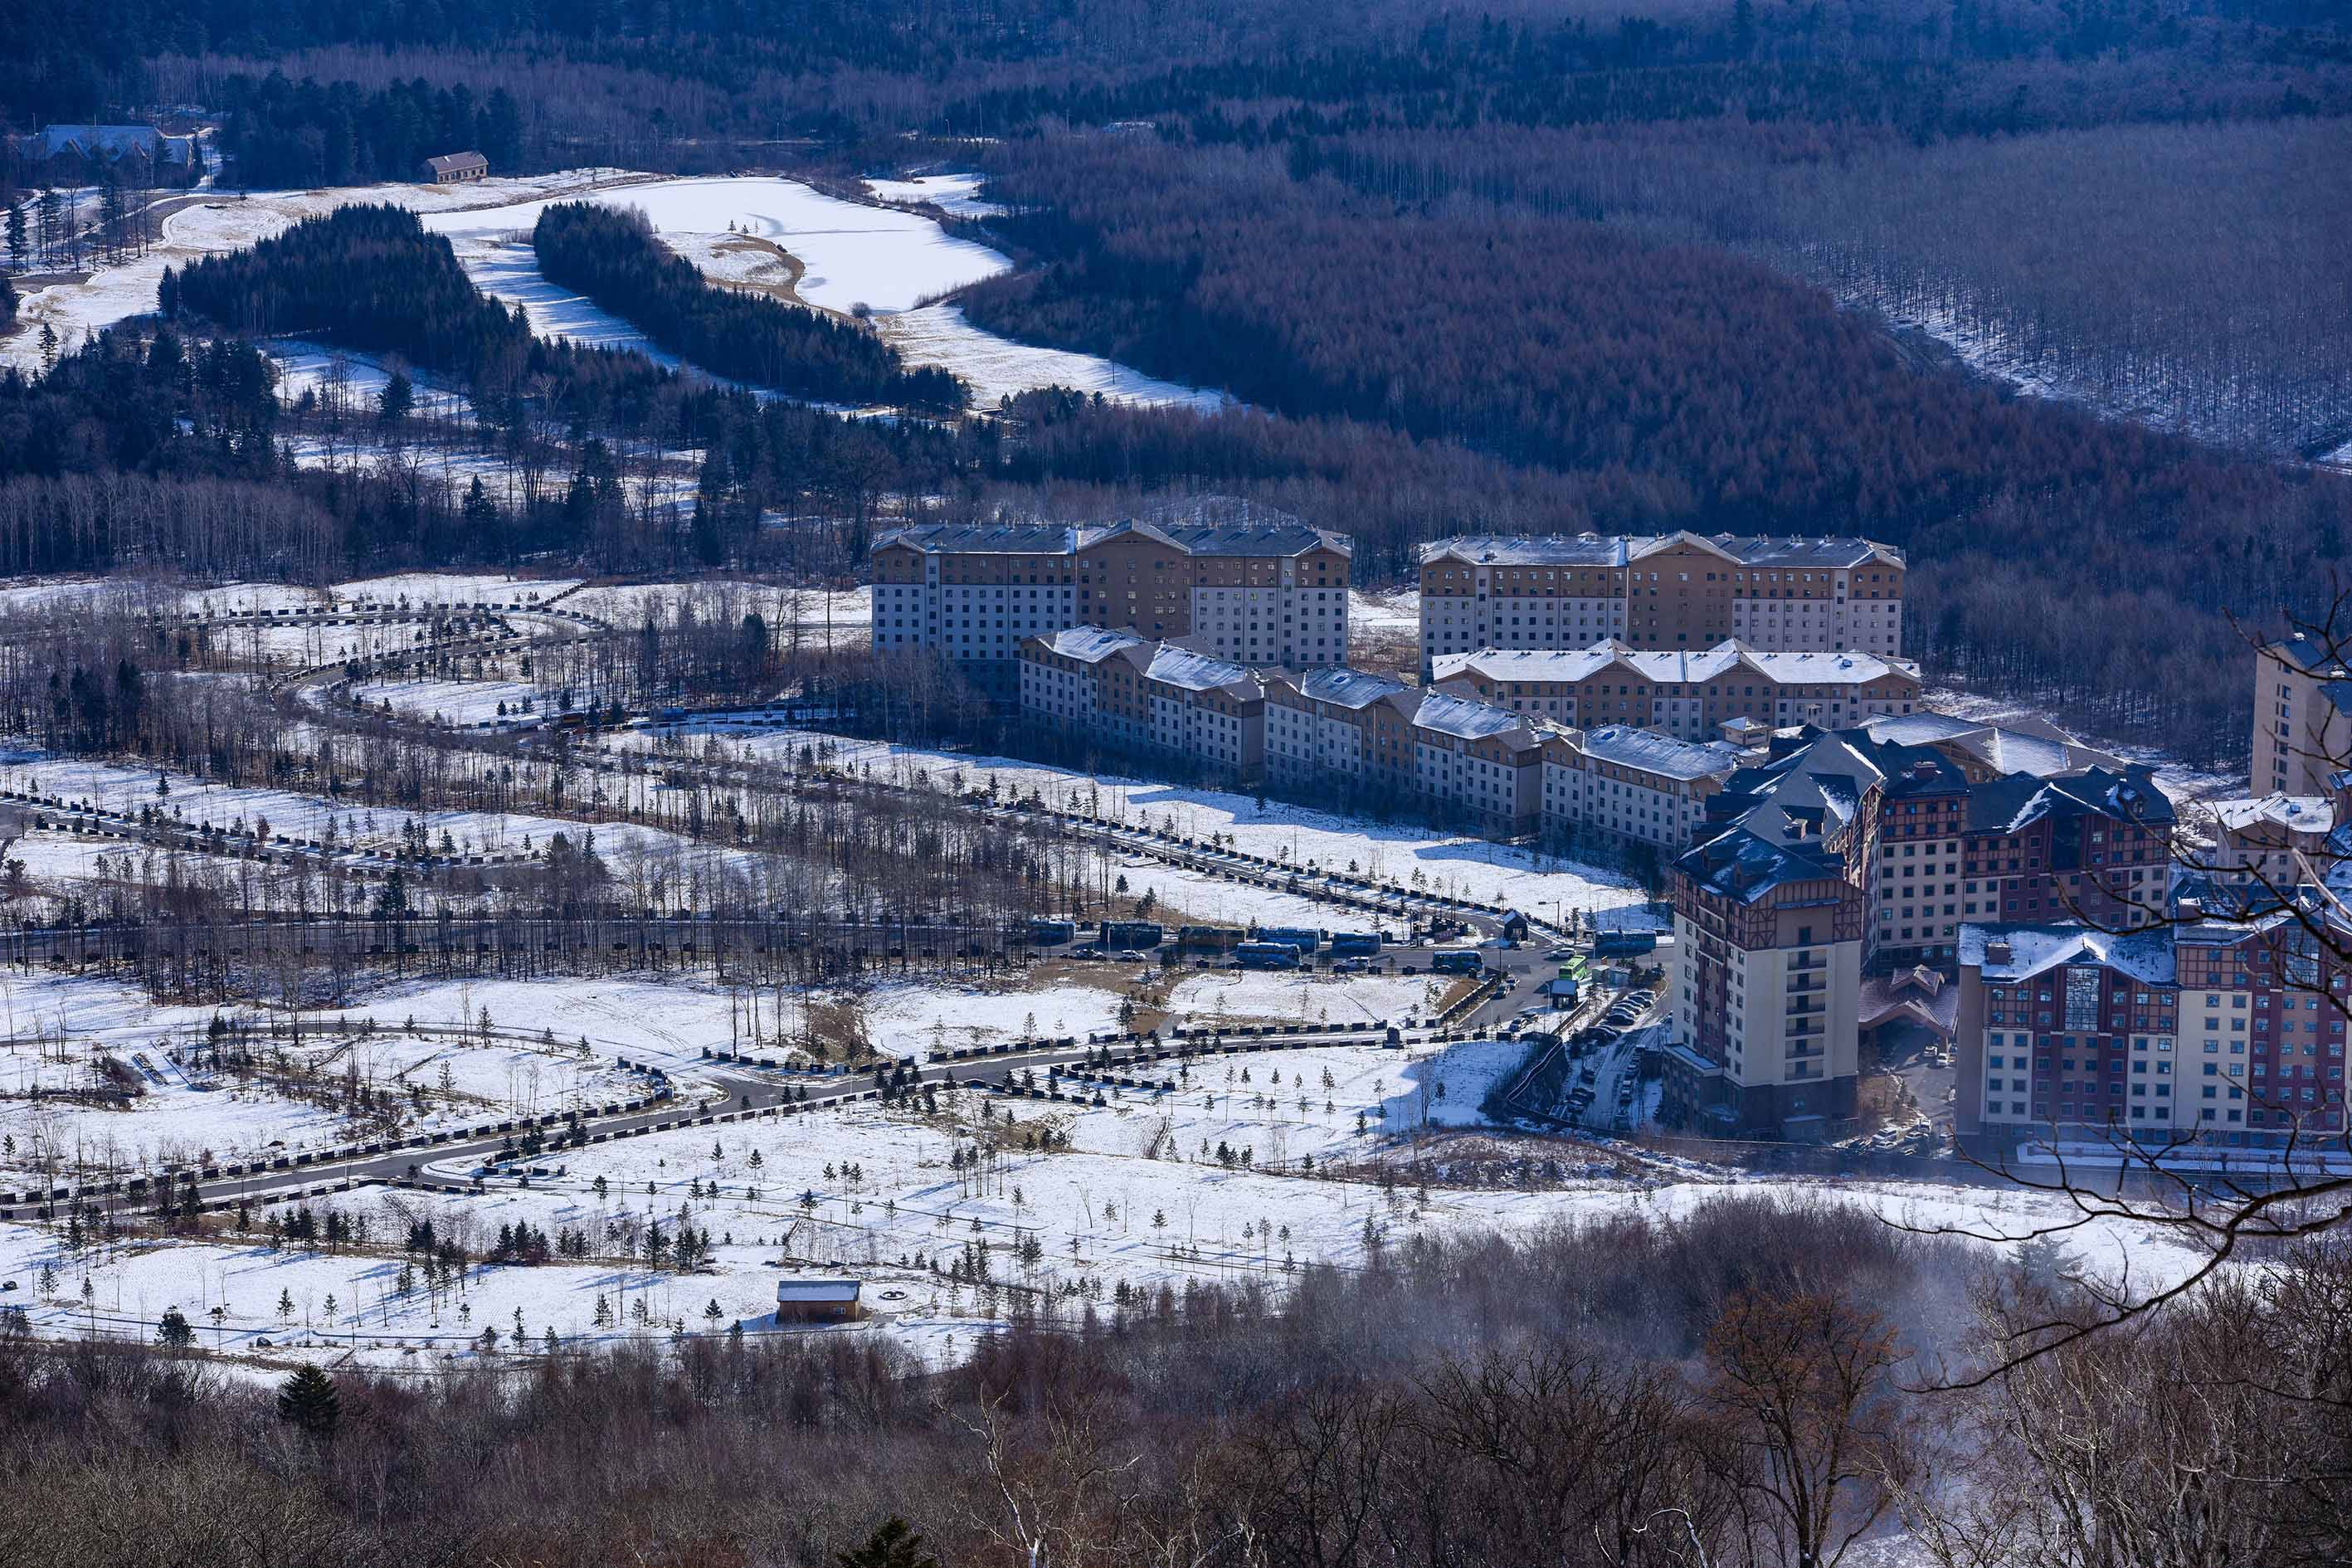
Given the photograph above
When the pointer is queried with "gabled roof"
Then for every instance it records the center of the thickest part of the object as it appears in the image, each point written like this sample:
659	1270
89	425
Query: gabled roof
456	163
1677	667
1654	752
1340	686
1744	864
1445	714
111	141
1273	535
1619	550
2032	949
1089	645
814	1289
2014	804
1178	667
2019	746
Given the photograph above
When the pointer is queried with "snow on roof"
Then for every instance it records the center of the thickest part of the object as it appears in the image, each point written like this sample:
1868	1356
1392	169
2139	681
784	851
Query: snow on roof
113	141
1743	864
1617	549
1343	687
1173	665
1089	645
455	163
2030	950
2021	745
1548	549
1675	665
1655	754
813	1288
1275	536
2295	813
1458	716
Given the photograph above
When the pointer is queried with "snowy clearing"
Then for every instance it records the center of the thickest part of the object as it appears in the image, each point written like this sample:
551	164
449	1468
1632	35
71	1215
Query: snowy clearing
957	193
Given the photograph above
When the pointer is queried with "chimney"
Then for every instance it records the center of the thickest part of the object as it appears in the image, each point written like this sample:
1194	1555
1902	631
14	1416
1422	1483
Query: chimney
1998	951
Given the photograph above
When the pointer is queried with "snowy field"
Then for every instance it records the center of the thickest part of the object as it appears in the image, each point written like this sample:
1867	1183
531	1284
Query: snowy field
463	703
112	294
956	194
452	588
1385	613
627	605
1302	998
1464	866
851	254
137	594
1141	1198
884	259
997	368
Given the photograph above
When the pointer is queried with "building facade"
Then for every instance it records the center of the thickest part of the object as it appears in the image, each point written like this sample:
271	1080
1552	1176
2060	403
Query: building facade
1257	593
2223	1033
1636	785
1344	728
1768	933
1675	591
1113	689
1690	696
2303	717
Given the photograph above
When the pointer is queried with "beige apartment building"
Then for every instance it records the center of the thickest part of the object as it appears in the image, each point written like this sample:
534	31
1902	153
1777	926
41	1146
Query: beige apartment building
1256	593
1768	928
1676	590
2303	717
1689	695
1630	784
1117	690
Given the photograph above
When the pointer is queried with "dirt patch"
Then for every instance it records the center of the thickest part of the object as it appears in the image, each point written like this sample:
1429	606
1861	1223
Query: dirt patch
786	289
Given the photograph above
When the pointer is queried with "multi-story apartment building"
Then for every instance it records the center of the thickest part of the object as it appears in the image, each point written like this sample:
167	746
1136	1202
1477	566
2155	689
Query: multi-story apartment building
1768	932
1474	762
2273	841
2302	716
1339	729
1126	694
1633	784
1945	848
1257	593
1688	695
1675	591
2225	1032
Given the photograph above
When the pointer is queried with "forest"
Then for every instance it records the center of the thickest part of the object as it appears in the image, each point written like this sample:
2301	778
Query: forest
1756	1381
612	255
1746	265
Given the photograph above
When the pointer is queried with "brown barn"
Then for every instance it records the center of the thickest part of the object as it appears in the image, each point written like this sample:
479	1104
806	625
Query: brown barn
454	168
815	1300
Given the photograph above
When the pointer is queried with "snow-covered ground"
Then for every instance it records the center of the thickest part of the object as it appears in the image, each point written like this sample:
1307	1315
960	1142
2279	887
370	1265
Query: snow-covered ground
996	368
1141	1198
461	702
235	598
627	605
851	254
956	194
1389	613
452	588
884	259
1302	998
112	294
